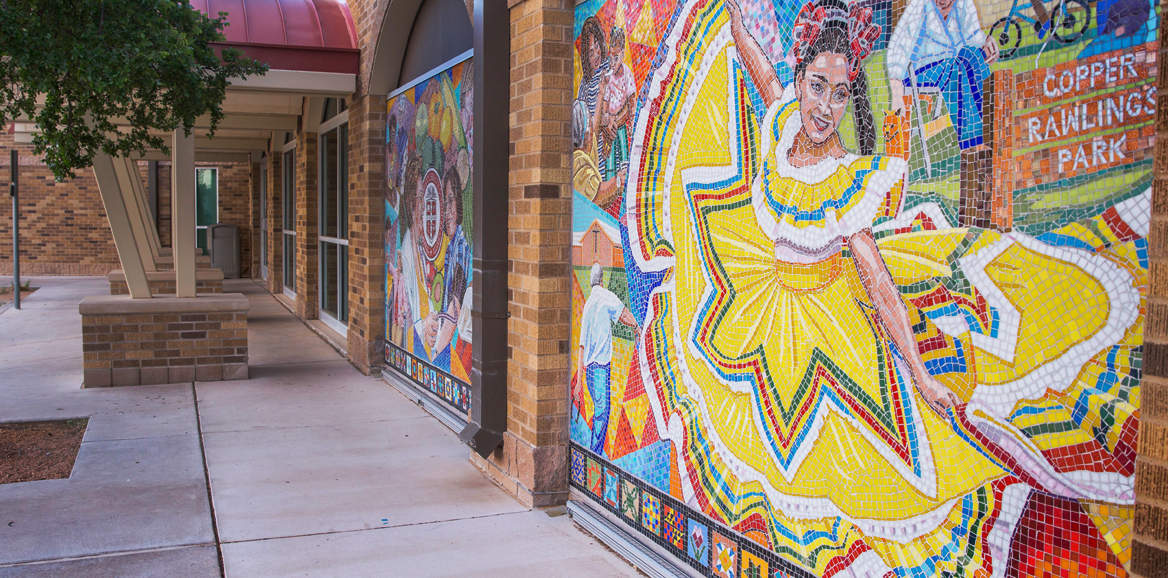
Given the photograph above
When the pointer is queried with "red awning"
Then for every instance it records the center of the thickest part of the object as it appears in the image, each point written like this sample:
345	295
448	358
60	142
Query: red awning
303	35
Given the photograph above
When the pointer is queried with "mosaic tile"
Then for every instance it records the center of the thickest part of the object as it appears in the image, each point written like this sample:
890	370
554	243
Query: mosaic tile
595	479
675	529
428	233
903	241
611	487
698	542
579	473
754	567
725	557
630	500
651	513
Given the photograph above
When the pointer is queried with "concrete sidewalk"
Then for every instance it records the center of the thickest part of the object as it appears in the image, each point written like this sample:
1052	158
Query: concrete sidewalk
308	469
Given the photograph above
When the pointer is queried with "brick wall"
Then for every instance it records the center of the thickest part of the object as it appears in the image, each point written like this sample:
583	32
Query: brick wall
235	206
162	347
366	232
1150	544
63	227
275	222
164	190
306	217
254	214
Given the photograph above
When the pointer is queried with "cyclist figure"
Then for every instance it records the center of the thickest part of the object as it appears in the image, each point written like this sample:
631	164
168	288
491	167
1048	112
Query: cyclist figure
939	44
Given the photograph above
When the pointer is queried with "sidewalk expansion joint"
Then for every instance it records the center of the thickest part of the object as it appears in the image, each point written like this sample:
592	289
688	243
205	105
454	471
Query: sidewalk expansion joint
207	480
112	554
431	522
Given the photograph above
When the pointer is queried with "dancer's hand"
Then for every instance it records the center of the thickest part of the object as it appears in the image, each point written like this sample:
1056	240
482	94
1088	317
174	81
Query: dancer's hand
735	12
937	395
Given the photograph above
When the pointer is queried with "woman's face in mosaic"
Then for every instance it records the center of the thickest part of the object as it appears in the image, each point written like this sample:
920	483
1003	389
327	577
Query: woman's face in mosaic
824	90
594	55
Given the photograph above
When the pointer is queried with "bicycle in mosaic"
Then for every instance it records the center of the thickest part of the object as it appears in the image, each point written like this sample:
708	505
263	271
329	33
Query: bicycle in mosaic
428	233
857	290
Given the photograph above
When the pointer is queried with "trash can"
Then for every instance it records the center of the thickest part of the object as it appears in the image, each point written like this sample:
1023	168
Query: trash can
223	244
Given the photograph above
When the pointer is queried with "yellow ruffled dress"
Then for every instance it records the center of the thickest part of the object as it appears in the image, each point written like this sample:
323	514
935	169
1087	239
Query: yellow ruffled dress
799	424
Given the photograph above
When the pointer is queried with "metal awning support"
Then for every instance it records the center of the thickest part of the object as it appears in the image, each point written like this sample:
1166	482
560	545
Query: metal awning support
138	224
183	213
110	186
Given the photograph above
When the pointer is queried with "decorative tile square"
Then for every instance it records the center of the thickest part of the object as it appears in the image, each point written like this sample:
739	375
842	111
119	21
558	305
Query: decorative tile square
595	478
611	487
630	500
754	567
651	513
579	469
725	553
698	543
674	527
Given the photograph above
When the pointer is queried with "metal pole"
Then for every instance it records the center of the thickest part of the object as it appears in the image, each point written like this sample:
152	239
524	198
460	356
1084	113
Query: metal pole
14	190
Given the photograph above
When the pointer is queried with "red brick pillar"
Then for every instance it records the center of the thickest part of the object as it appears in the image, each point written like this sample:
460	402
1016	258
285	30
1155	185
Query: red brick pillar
1150	543
533	463
366	231
254	211
306	230
275	220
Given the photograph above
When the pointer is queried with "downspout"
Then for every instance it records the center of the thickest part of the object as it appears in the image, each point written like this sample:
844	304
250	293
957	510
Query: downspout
492	54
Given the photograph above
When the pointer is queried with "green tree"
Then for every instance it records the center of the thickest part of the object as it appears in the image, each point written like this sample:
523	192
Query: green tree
75	66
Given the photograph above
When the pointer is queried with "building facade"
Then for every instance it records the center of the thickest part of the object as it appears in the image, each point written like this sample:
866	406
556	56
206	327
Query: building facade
790	288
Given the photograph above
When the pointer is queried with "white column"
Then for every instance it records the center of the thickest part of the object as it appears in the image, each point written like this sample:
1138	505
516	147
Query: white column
142	197
116	210
182	213
127	180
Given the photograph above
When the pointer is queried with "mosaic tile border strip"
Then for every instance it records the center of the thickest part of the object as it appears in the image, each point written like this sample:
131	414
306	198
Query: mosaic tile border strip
691	537
427	376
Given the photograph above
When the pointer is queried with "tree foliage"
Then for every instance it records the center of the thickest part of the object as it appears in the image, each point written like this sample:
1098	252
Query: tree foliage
75	66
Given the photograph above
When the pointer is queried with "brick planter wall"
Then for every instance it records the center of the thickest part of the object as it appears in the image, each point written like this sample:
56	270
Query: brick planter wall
163	340
166	287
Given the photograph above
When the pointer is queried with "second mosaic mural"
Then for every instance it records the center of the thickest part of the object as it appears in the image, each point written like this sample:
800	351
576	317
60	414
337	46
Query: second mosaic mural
859	286
428	233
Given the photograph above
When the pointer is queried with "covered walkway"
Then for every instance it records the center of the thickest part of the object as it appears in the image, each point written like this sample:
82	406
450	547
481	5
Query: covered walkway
308	469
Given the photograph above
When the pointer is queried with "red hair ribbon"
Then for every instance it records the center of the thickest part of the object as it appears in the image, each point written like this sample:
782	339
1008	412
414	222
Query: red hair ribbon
862	33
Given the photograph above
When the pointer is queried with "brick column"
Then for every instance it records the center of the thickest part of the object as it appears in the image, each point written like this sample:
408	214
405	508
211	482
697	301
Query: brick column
275	222
1150	543
533	463
366	231
253	207
306	230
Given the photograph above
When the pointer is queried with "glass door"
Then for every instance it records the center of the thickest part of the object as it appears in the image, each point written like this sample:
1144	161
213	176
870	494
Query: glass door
289	252
207	204
333	218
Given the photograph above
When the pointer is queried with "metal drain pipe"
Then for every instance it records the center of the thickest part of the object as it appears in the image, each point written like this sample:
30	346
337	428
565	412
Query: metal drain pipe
492	75
14	191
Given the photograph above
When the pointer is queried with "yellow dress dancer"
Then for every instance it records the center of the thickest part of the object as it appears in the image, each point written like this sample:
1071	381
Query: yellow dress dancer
854	405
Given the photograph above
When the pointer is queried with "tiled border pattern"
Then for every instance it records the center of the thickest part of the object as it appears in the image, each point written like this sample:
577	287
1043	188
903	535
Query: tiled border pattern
672	525
427	376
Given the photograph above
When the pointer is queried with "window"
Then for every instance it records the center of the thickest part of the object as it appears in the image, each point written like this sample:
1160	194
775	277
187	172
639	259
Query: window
289	221
334	215
206	204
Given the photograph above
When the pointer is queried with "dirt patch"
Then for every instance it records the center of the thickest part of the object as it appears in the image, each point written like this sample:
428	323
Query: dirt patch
39	451
6	294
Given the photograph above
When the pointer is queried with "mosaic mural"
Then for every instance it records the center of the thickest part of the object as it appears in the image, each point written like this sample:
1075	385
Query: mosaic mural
428	233
859	285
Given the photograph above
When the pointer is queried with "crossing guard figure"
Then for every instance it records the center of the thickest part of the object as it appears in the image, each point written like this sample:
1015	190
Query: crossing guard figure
939	44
